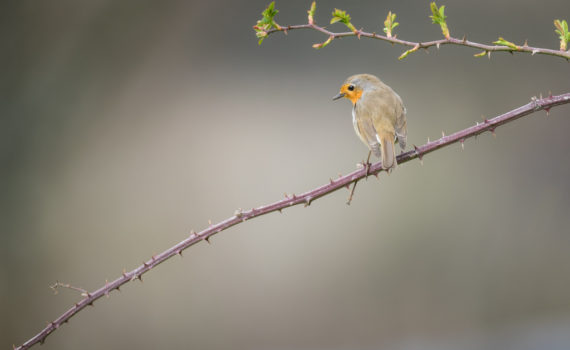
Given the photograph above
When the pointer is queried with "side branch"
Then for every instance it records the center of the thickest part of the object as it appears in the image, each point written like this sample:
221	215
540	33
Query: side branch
486	49
306	198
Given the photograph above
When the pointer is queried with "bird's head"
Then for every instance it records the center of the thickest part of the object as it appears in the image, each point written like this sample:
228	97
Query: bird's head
354	86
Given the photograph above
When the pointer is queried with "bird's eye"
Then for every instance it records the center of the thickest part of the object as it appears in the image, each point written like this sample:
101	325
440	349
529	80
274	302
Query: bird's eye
351	88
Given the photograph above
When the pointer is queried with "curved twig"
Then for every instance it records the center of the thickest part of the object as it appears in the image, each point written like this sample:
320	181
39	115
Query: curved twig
306	198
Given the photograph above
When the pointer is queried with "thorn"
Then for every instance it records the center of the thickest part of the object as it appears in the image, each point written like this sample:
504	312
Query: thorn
179	252
339	175
358	33
351	193
534	101
331	181
428	140
489	54
118	288
492	130
540	96
464	38
238	213
209	222
525	43
549	94
462	144
534	52
207	239
308	201
294	196
547	111
437	46
286	196
140	277
280	211
192	233
145	264
442	134
417	150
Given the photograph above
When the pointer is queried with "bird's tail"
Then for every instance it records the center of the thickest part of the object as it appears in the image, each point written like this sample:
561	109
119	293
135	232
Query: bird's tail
388	150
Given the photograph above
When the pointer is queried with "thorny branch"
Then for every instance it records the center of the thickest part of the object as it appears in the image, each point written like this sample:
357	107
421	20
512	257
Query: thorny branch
486	49
306	199
267	25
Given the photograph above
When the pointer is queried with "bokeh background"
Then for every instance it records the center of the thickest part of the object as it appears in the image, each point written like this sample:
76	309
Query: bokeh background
125	124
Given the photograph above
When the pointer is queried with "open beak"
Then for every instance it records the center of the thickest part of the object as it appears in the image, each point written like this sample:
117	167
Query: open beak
341	95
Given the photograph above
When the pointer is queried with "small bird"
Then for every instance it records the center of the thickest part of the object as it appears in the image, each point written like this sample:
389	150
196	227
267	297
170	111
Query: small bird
378	116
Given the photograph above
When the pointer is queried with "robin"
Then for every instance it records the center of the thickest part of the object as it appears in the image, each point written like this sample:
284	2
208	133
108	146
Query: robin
378	116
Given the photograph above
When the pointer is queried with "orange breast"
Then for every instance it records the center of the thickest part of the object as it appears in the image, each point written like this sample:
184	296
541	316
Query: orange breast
354	96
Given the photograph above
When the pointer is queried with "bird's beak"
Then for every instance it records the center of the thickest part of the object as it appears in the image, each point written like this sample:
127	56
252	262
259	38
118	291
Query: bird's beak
340	95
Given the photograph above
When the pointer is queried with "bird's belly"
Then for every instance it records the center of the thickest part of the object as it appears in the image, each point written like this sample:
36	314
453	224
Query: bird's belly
357	128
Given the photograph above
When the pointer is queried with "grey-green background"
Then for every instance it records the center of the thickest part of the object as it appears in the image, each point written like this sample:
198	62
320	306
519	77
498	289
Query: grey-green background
125	124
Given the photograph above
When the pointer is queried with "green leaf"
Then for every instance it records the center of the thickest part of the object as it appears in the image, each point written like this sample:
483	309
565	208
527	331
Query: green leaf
340	16
406	53
390	24
562	31
311	12
438	17
267	22
261	35
343	17
321	45
480	54
504	42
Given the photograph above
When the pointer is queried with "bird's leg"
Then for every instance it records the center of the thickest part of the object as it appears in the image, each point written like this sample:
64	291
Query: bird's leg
367	165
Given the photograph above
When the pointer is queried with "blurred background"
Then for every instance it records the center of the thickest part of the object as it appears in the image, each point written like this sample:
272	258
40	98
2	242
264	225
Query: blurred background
125	124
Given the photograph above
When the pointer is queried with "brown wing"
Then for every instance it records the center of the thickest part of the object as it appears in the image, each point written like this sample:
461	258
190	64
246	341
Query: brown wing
401	125
390	108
